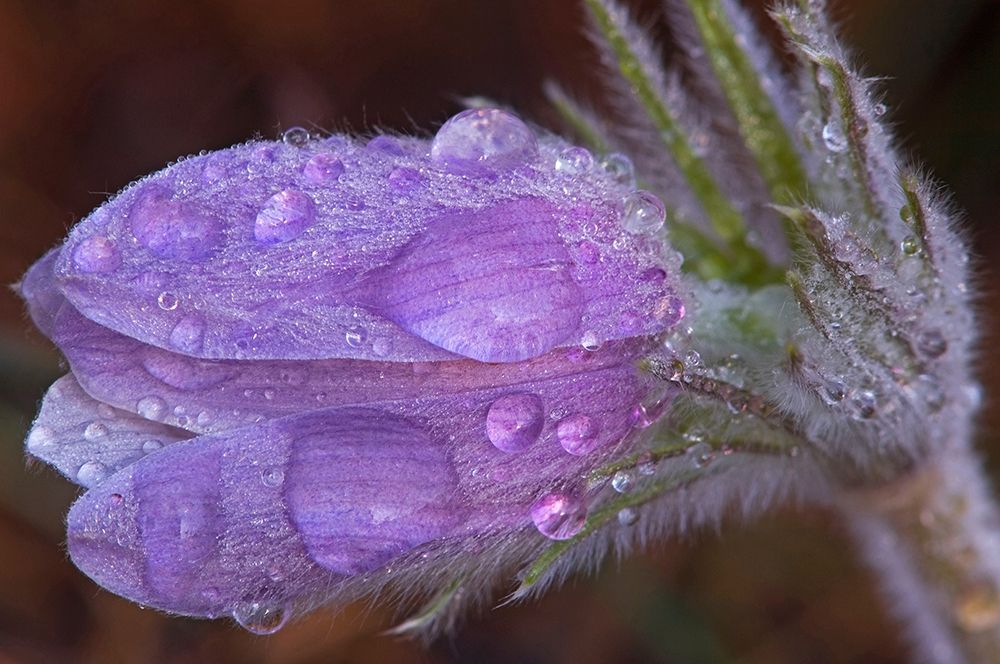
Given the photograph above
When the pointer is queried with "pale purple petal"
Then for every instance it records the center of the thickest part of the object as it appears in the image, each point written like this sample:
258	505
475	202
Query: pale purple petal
265	514
87	440
40	292
253	253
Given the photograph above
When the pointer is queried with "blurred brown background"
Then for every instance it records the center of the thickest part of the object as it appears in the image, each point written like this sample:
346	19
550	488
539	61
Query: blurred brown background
94	93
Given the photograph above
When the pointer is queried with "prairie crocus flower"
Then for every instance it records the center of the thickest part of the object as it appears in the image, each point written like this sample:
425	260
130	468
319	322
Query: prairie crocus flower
314	367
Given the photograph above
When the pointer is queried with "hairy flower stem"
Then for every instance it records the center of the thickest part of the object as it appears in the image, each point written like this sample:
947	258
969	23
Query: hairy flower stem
932	539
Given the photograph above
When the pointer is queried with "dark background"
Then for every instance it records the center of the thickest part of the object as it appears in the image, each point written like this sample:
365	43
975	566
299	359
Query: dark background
94	93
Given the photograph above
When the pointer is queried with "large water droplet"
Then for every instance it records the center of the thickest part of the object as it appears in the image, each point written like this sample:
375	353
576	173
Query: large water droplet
514	422
932	344
405	179
628	517
833	137
97	254
188	334
151	446
574	160
152	408
483	137
644	213
167	301
622	481
558	515
355	336
41	438
284	217
619	168
95	431
259	617
323	168
577	434
701	454
272	477
91	473
295	137
172	229
591	341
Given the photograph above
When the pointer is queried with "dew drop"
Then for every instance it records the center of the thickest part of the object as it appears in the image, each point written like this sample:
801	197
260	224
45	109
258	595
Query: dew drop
514	422
483	137
152	408
167	301
151	446
284	217
932	344
692	359
356	336
272	477
91	473
931	392
590	341
295	137
577	434
405	179
106	411
864	405
558	515
260	618
628	517
95	431
910	246
96	255
323	168
386	144
701	454
833	392
622	481
646	465
879	110
644	213
188	335
619	168
269	394
574	160
833	137
172	229
41	438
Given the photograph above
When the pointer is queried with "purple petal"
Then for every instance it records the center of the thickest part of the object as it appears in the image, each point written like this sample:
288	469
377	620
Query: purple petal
209	396
253	253
265	514
87	440
40	292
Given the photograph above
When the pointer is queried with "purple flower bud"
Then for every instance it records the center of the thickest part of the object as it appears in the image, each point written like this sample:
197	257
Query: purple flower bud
295	362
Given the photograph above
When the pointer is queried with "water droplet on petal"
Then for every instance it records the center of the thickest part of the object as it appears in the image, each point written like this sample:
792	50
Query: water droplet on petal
864	405
167	301
97	255
574	160
910	246
405	179
95	431
701	454
295	137
386	144
106	411
259	617
590	341
323	168
577	434
188	334
151	446
284	217
91	473
932	344
692	359
628	517
272	477
355	336
514	422
41	438
646	464
622	481
558	515
483	137
833	137
879	110
644	213
152	408
172	229
619	168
